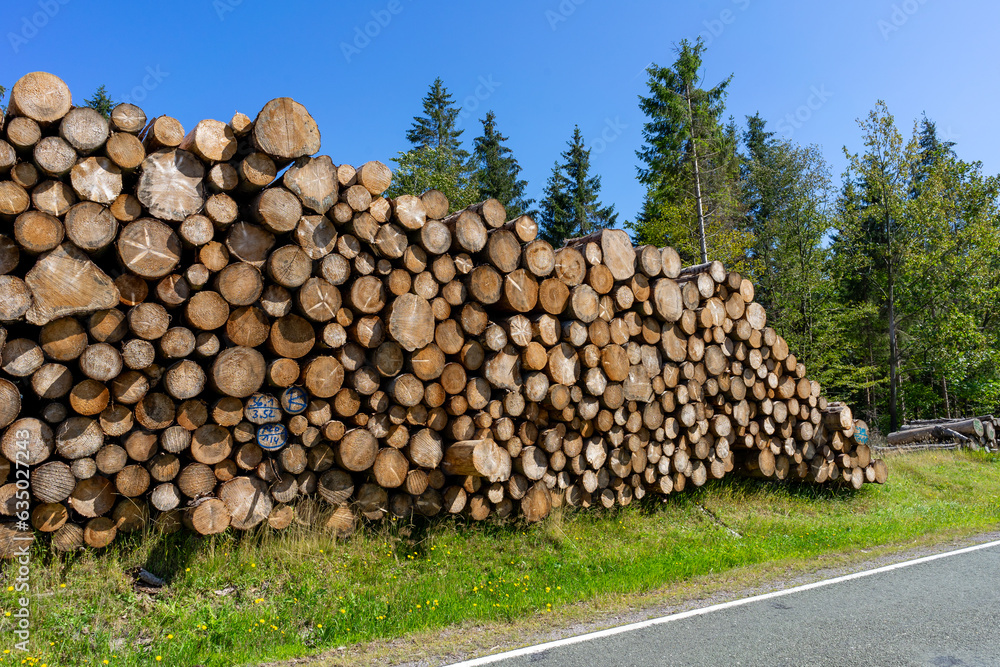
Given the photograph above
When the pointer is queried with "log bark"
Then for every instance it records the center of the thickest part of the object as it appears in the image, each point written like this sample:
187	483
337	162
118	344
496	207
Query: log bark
937	432
476	458
211	140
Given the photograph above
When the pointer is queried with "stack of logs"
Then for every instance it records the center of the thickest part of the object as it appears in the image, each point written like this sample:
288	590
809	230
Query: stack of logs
973	433
191	339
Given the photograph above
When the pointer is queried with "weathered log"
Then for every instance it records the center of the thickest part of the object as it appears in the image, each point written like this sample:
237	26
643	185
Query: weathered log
211	140
66	282
938	432
238	371
127	117
40	96
477	458
149	248
162	132
248	501
171	186
284	130
209	516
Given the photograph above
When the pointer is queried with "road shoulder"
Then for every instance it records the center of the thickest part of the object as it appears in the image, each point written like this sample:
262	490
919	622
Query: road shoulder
468	641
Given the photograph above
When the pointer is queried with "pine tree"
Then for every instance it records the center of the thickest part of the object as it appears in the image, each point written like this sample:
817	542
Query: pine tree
101	102
437	159
689	163
497	170
571	206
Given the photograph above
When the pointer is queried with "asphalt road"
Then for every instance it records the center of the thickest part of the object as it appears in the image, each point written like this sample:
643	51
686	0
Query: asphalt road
939	613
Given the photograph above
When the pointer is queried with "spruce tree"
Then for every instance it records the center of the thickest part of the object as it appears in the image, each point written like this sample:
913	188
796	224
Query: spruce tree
497	170
758	141
437	128
571	206
932	151
437	159
787	191
101	102
689	163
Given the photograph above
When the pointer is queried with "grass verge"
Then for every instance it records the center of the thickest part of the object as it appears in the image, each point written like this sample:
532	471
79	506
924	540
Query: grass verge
260	597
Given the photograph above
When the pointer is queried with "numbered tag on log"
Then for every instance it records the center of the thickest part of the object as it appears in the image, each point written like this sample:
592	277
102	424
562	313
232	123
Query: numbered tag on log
262	409
272	437
294	400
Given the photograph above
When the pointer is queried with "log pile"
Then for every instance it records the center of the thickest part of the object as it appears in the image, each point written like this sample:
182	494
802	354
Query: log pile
973	433
212	328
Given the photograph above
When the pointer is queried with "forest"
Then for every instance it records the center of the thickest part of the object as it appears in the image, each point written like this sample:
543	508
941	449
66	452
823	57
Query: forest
883	279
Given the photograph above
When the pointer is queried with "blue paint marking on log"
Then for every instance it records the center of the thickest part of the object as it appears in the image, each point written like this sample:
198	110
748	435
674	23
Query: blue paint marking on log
262	409
294	400
272	437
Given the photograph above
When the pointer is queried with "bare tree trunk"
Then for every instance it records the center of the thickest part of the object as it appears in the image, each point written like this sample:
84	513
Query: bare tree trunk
697	182
893	358
944	387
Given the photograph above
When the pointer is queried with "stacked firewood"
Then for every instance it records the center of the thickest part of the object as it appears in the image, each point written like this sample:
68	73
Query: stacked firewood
945	433
212	328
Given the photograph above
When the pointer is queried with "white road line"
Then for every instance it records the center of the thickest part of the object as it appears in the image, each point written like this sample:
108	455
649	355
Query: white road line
610	632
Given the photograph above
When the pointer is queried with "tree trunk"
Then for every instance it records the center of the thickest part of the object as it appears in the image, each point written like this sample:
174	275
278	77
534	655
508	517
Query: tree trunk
699	207
893	357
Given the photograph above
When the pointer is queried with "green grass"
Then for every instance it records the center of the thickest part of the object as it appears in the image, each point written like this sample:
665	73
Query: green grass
302	592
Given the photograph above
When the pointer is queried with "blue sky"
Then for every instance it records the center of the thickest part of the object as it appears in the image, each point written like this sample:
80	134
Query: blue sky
361	68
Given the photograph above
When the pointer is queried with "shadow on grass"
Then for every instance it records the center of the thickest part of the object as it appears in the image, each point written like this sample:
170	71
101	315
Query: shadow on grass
169	555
